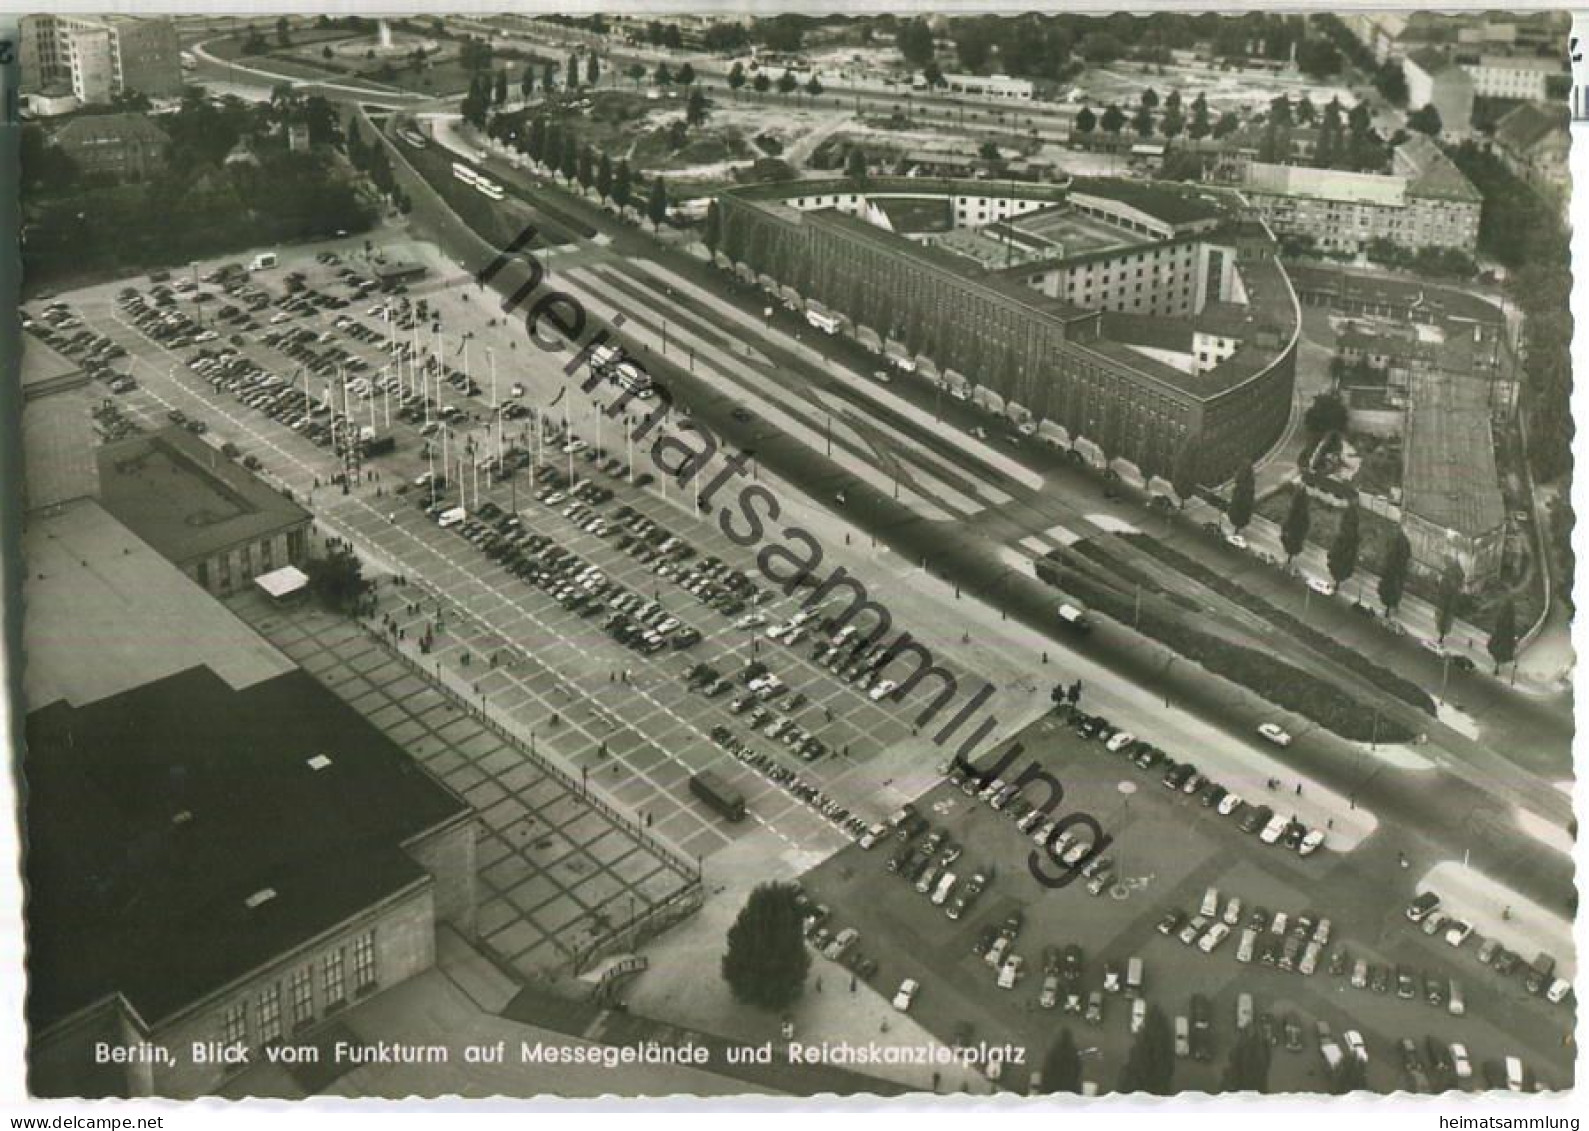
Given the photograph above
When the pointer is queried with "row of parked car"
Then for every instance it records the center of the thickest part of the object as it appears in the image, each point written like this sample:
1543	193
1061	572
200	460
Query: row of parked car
1539	977
1184	777
59	327
790	782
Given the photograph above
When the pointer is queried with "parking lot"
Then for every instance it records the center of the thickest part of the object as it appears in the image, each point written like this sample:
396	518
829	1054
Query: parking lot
1170	854
179	361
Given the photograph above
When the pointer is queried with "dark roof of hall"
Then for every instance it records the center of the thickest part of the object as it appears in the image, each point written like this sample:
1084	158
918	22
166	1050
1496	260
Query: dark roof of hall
153	815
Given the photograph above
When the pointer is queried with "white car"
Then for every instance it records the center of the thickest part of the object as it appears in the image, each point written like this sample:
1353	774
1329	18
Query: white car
1232	914
1228	804
872	835
1011	972
1322	586
940	894
1049	997
1249	941
751	620
1139	1014
995	955
1277	825
1310	843
1460	1063
1235	539
906	994
1216	935
882	690
1275	733
1356	1045
1120	741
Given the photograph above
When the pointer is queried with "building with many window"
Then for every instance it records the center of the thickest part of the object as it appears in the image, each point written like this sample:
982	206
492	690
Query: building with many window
1003	292
1424	202
1534	142
1528	78
100	57
214	518
220	850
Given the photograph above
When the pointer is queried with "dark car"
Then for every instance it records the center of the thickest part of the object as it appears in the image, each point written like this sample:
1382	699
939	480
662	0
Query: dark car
1254	818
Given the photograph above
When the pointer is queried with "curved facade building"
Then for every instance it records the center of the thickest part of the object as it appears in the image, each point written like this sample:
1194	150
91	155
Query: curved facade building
1125	319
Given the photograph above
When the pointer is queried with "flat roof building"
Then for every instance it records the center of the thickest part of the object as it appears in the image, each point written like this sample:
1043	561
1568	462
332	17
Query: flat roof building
218	848
216	520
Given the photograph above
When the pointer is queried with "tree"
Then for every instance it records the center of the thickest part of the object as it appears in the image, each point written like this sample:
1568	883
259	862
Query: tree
592	70
736	78
527	82
916	42
622	186
636	73
1391	82
1318	58
1187	474
695	110
1113	120
1503	635
657	204
1342	556
1143	122
932	75
283	32
712	233
1248	1067
663	75
813	87
1242	496
1228	124
1086	120
1425	119
571	72
1326	414
766	962
1448	598
1150	99
989	151
761	84
1393	576
1172	123
855	163
1150	1064
587	167
548	76
604	179
787	83
500	94
1062	1065
338	580
686	75
1294	531
569	166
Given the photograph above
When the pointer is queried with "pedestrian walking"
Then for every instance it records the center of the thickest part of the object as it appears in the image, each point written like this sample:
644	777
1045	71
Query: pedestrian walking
1299	789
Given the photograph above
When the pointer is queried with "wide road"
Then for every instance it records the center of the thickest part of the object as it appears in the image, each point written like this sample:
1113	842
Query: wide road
1456	811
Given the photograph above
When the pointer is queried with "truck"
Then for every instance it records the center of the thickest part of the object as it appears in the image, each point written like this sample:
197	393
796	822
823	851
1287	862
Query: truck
718	795
263	261
822	320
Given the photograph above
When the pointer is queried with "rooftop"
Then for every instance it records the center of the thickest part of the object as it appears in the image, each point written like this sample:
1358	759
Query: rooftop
1442	302
1173	205
42	364
1450	477
186	499
86	129
917	214
1526	125
157	819
1431	173
106	613
1430	60
1326	184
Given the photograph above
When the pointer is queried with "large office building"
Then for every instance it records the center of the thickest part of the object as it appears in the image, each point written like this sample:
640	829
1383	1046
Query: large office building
100	57
217	521
1527	78
1425	201
1045	303
219	850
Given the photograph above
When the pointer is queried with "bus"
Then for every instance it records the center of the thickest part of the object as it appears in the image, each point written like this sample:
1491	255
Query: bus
489	188
465	174
632	379
411	137
718	795
822	320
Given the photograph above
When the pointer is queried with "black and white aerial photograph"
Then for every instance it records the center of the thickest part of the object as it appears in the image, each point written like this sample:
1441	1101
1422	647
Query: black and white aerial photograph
792	553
